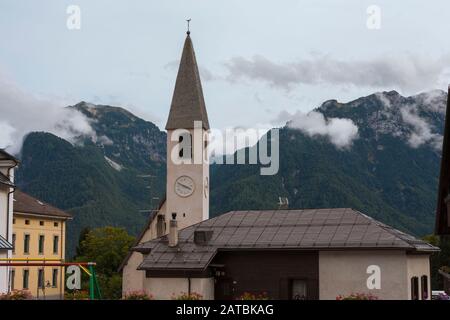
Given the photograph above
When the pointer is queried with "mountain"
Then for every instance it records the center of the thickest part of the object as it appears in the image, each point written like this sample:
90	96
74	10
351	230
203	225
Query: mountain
389	171
101	180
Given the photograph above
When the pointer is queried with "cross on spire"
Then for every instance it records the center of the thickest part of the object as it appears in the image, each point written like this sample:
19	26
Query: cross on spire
188	22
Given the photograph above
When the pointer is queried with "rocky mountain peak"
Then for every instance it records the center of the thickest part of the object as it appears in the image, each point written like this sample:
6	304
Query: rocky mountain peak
417	119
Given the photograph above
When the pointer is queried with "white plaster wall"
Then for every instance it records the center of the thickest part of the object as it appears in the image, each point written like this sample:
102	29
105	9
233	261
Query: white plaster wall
195	208
3	210
166	288
418	266
6	217
345	272
133	279
3	253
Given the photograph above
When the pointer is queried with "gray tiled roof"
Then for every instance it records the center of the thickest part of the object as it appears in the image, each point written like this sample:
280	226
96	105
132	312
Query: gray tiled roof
4	244
5	180
313	229
188	104
26	204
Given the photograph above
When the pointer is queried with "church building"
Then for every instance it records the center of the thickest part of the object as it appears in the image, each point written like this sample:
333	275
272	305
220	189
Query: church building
278	254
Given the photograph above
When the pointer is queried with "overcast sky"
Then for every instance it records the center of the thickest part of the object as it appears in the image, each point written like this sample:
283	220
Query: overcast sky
257	58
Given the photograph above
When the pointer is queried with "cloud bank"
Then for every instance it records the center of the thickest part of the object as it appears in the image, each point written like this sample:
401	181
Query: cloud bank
23	112
408	72
421	131
340	132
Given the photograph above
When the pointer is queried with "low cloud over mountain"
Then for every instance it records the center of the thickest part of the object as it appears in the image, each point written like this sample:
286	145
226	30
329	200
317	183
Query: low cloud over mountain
340	132
23	112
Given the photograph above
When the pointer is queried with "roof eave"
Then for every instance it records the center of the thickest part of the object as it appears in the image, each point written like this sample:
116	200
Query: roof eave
36	214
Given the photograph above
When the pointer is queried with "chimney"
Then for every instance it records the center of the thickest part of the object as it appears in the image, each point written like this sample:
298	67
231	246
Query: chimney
173	231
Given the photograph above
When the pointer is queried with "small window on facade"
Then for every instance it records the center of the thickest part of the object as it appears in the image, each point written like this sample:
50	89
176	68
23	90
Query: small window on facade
160	226
26	244
424	284
41	244
298	290
25	278
55	278
12	279
55	224
55	244
27	221
41	279
14	221
414	288
14	243
41	223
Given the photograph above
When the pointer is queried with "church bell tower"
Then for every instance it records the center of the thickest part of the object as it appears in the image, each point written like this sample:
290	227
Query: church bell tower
187	128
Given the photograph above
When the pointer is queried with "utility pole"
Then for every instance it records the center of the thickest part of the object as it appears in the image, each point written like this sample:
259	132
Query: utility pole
152	198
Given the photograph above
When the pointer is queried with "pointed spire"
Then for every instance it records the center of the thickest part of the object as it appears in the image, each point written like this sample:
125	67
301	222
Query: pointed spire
188	104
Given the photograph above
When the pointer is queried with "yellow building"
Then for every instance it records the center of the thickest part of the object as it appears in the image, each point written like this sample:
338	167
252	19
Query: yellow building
39	232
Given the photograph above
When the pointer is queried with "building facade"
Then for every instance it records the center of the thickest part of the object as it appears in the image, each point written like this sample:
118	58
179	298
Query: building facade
299	254
7	165
39	234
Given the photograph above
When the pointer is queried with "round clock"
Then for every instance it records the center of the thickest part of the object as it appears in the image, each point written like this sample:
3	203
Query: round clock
184	186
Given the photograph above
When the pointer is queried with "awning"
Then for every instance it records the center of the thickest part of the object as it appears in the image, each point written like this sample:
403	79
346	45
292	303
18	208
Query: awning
4	244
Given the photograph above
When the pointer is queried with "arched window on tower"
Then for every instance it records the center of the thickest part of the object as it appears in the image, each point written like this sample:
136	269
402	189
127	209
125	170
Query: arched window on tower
185	143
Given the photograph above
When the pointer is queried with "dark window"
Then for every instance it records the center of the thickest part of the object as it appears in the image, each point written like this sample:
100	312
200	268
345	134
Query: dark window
298	290
55	224
424	284
27	221
41	279
224	288
12	278
55	244
14	242
41	244
26	244
55	278
185	151
414	288
14	221
26	276
41	223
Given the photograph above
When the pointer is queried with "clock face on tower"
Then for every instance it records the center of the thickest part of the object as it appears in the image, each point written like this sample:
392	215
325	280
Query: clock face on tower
184	186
